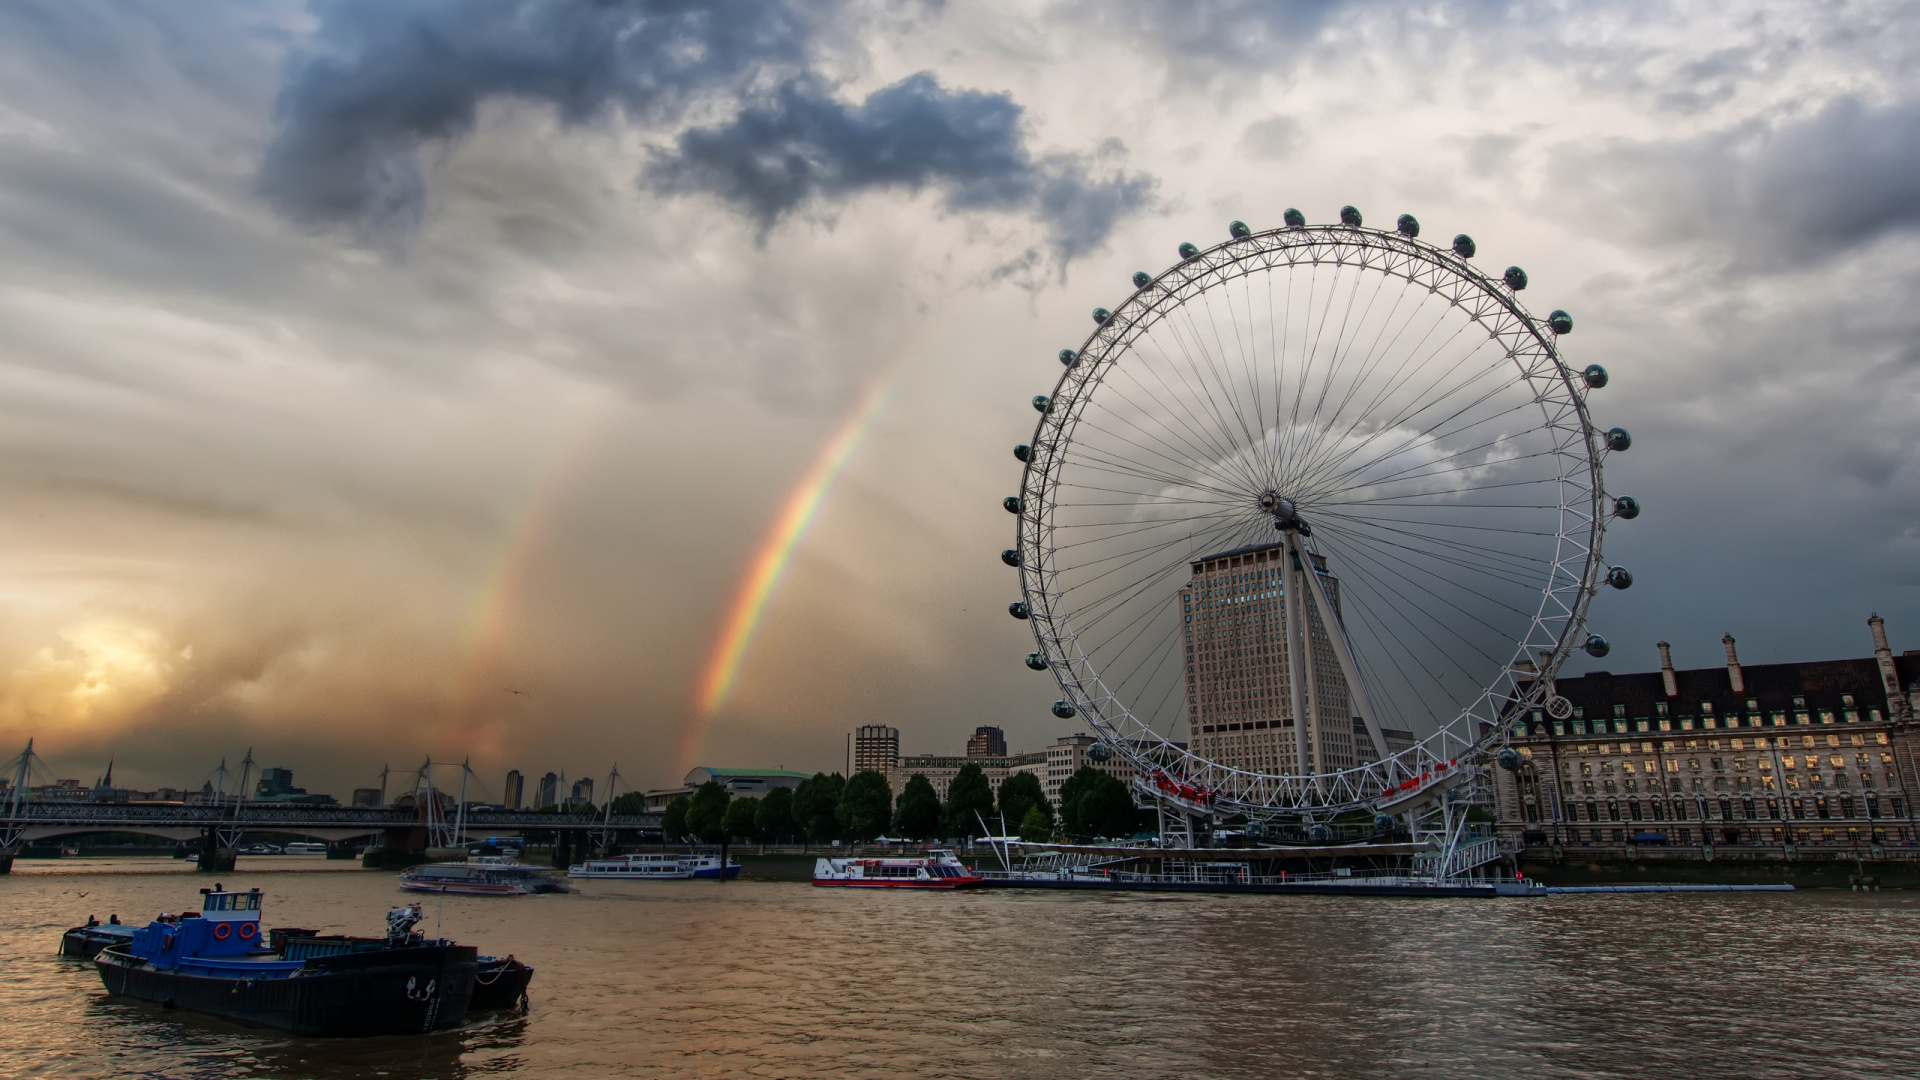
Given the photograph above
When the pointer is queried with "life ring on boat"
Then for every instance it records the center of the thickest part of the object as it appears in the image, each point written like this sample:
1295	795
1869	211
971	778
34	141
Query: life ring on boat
222	931
249	931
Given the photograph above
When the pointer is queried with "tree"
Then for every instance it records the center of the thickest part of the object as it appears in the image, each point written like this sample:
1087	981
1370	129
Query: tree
1020	793
707	814
815	805
1093	803
631	803
773	818
1037	826
866	805
917	815
742	818
969	798
673	823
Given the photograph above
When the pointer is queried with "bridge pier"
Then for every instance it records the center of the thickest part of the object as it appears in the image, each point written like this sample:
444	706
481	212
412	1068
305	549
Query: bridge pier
398	849
6	861
215	859
343	849
563	848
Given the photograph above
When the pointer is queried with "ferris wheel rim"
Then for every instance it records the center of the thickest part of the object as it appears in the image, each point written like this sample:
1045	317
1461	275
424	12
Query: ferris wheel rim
1577	540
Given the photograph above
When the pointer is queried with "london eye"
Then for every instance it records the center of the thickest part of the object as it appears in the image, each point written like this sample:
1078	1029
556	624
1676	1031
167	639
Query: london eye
1311	517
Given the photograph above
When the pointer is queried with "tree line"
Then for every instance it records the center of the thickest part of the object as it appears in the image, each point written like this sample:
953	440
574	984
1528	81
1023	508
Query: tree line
827	807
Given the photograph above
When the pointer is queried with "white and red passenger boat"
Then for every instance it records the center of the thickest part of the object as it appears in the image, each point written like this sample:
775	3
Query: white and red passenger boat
936	870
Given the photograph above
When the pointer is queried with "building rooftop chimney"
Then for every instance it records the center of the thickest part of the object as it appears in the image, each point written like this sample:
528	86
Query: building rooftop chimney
1733	666
1666	669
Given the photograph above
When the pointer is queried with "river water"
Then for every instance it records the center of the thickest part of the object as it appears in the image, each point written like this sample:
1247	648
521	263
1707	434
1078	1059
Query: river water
779	979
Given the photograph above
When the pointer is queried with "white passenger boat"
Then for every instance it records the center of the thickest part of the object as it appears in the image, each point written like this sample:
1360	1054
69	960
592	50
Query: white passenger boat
937	870
654	867
486	876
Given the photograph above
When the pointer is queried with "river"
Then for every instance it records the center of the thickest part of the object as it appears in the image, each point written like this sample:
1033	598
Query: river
778	979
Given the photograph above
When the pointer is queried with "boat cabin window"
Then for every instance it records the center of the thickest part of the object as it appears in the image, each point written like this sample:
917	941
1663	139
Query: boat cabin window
231	902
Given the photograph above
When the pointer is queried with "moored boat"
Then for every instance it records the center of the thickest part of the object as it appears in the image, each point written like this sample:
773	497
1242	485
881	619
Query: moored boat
489	875
655	867
84	941
214	961
500	982
935	870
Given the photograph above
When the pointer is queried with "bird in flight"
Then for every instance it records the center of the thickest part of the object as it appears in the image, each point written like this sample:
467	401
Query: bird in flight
522	693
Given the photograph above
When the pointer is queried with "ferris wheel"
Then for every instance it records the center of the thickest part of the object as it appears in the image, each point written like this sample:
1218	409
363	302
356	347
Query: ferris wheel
1312	518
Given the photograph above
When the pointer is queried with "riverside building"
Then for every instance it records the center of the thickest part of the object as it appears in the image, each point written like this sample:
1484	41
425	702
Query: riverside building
1239	700
1816	754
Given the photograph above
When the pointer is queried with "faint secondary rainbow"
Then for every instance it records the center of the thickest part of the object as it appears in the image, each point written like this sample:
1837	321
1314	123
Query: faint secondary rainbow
771	560
501	595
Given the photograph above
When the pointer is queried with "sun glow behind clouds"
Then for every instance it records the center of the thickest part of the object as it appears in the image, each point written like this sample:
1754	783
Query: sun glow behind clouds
98	671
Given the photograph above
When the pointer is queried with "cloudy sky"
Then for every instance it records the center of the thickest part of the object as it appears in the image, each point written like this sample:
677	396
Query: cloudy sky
364	363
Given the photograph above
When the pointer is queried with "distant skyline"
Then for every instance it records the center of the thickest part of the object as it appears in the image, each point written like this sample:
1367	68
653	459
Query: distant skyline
456	378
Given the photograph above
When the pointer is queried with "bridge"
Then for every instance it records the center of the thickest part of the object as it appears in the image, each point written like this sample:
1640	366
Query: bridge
405	833
418	821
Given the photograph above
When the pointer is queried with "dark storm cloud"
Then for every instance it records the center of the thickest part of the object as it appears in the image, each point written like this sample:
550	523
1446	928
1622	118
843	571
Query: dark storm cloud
382	81
1780	194
803	145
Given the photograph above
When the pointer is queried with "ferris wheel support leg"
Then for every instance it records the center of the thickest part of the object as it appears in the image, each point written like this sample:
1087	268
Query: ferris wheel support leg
1342	650
1290	609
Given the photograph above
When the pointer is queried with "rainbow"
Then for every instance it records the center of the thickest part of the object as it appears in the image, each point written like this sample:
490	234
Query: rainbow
770	562
492	615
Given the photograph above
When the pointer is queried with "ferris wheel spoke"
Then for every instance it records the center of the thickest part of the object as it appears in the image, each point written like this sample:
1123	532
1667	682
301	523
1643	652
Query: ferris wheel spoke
1138	555
1255	442
1491	568
1401	602
1371	362
1111	535
1198	542
1099	461
1338	354
1244	447
1208	457
1365	471
1222	453
1411	567
1477	362
1503	557
1432	432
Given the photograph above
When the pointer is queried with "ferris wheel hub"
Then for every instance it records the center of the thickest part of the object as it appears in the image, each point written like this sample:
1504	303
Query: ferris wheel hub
1286	513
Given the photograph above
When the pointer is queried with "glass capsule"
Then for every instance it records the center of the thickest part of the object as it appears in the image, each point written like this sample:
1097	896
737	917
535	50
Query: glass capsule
1463	246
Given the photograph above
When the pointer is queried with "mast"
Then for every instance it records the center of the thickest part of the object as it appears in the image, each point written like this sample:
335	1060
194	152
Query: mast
20	777
460	812
606	818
